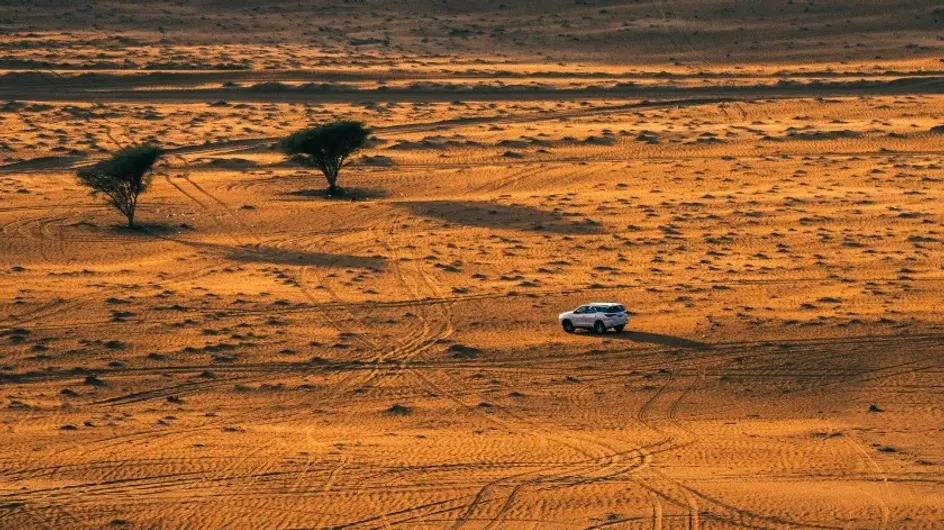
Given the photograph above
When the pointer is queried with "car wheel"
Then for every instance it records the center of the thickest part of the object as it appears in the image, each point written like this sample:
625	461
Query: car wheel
619	329
598	327
568	326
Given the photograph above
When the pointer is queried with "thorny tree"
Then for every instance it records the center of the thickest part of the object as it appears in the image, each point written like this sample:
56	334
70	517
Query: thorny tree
123	177
327	147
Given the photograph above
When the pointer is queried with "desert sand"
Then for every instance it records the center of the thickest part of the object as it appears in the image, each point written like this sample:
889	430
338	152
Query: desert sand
761	183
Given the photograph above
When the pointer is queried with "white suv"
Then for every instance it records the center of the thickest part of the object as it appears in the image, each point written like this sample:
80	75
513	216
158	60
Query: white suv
599	317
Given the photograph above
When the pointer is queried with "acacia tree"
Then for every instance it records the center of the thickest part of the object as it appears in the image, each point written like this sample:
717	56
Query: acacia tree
123	177
327	147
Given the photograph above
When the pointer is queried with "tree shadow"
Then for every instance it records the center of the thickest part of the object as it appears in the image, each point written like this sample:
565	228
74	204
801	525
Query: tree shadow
140	229
494	215
656	338
279	256
347	194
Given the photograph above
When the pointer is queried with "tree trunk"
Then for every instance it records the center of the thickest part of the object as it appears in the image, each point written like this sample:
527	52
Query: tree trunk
131	208
333	188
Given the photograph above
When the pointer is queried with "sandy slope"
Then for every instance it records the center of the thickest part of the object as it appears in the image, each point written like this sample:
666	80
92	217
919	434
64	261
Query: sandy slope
261	357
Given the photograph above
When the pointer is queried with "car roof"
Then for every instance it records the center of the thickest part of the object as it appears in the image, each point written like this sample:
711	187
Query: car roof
604	303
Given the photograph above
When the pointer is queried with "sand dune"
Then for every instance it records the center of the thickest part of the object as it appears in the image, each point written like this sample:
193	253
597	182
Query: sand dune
760	183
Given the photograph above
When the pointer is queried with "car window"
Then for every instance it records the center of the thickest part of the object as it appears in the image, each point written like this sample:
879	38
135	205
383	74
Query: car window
580	310
597	309
615	309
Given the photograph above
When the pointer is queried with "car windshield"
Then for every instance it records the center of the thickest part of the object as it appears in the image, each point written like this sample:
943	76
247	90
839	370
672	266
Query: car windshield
615	309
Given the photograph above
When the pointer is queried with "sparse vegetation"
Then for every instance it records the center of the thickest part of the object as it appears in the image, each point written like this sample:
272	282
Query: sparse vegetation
327	148
123	177
752	178
399	410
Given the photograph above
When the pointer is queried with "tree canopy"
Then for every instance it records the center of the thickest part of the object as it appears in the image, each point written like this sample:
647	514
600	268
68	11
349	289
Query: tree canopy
123	177
327	148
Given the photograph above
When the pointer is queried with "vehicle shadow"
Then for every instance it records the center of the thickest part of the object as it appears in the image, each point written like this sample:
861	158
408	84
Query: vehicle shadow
655	338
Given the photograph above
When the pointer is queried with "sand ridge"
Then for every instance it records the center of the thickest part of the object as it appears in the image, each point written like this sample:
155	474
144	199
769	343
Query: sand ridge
761	185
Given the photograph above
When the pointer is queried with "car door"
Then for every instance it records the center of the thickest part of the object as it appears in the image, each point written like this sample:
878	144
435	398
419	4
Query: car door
580	316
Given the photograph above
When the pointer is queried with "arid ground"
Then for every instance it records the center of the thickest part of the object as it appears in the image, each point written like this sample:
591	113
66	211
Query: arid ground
761	183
